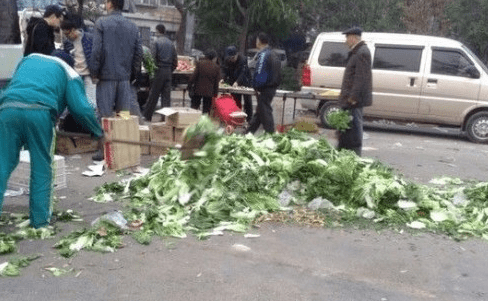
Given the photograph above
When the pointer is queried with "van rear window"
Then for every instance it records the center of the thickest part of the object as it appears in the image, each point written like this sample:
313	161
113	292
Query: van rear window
397	58
333	54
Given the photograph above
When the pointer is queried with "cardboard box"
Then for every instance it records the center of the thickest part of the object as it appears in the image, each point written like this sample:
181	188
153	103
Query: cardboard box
20	177
178	134
180	116
121	155
145	134
75	145
160	132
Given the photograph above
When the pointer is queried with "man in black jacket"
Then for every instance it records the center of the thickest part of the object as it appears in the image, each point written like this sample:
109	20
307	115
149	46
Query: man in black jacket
356	89
236	73
266	79
164	53
40	31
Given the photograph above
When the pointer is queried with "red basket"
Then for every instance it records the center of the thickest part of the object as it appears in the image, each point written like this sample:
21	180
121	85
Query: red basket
224	106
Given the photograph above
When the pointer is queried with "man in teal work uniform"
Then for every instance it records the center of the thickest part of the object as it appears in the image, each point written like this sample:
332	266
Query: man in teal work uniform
40	90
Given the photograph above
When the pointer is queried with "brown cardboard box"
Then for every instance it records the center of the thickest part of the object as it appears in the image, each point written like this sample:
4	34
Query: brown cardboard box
158	151
120	155
160	132
178	134
180	116
75	145
145	134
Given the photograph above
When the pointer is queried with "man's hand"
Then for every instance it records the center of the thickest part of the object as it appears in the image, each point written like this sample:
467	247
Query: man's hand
351	101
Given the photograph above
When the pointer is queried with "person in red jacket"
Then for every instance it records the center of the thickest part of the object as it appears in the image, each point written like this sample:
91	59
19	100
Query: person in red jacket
204	82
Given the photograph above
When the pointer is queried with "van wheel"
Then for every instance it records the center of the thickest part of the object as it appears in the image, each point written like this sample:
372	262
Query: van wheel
477	127
328	107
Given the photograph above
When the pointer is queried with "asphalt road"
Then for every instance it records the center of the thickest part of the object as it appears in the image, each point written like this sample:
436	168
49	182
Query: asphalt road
287	262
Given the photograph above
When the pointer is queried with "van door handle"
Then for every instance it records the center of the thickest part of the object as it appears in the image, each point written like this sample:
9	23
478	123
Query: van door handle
412	81
432	80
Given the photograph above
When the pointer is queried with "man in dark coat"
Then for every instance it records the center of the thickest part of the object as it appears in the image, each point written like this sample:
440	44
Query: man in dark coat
40	31
356	90
116	57
166	58
266	79
205	81
236	73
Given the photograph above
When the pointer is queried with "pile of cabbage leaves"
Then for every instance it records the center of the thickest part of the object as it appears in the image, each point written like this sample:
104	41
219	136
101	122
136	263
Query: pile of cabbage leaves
233	179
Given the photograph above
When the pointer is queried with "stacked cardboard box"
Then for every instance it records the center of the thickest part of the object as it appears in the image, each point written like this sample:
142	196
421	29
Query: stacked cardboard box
160	132
180	116
145	134
121	155
173	130
75	145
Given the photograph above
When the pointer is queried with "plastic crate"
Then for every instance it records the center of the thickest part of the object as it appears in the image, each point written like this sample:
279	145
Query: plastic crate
20	177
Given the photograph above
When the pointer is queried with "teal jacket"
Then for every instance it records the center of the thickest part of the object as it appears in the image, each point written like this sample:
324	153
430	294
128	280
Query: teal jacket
46	82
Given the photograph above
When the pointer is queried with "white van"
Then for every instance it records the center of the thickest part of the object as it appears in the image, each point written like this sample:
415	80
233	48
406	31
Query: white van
421	79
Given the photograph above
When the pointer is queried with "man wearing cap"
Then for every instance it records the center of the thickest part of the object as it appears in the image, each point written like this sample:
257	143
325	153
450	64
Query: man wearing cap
236	73
356	89
41	88
40	31
164	53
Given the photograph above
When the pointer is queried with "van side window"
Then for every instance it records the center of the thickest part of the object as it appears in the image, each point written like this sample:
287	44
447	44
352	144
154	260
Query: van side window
449	62
333	54
397	58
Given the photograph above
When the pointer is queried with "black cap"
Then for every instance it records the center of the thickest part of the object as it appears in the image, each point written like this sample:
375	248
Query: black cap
354	31
53	9
231	51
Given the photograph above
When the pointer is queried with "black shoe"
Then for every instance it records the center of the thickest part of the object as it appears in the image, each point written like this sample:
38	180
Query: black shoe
98	156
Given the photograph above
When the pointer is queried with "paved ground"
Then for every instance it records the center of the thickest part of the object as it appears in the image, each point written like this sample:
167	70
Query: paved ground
286	262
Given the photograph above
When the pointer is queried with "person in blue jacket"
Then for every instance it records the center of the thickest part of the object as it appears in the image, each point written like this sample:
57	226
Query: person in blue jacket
40	90
266	79
79	45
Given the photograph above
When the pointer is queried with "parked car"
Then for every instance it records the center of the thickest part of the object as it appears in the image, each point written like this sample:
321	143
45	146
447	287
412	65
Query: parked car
421	79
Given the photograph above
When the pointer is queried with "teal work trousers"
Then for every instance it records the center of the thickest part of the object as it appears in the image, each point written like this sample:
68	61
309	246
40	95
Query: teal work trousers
34	129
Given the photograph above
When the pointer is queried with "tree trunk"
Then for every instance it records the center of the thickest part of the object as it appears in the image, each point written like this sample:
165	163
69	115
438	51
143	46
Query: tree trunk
181	33
243	33
9	23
